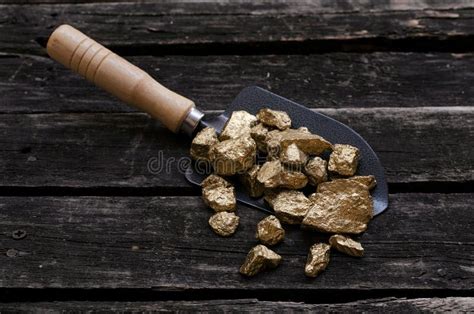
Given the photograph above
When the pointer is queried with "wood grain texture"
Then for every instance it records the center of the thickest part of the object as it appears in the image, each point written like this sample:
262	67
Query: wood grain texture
275	6
143	27
35	84
130	150
423	241
450	304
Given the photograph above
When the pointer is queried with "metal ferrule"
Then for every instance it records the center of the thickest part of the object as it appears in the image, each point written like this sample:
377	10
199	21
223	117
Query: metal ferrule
191	121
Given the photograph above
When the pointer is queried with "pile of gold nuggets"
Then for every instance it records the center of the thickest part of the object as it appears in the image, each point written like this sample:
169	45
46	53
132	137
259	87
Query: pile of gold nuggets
341	203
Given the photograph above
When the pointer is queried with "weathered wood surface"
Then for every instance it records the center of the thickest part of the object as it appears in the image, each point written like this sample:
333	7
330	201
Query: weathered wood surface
144	28
61	136
87	150
423	241
38	84
247	6
450	304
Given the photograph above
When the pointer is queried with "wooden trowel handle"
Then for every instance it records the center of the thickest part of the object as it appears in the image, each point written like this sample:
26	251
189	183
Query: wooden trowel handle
116	75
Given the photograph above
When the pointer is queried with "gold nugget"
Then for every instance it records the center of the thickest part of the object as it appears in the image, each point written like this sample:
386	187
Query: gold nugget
272	144
346	245
224	223
344	160
239	124
258	259
273	175
218	194
291	206
259	133
270	231
215	180
293	157
233	156
311	144
368	181
316	170
269	170
274	118
269	196
288	179
202	143
250	182
340	206
318	259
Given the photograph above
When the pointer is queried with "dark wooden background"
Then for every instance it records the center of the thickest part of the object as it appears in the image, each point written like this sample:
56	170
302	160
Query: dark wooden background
103	232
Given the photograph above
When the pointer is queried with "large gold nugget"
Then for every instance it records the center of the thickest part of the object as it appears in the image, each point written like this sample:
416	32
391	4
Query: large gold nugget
250	182
293	157
344	160
368	181
274	118
218	194
259	133
233	156
346	245
270	231
259	258
316	170
291	206
311	144
239	124
318	259
224	223
340	206
202	143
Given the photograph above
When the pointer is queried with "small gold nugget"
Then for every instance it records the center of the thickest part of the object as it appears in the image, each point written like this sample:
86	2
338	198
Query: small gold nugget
202	143
270	231
316	170
291	206
259	133
344	160
224	223
346	245
215	180
218	194
233	156
258	259
293	157
340	206
368	181
273	175
288	179
274	118
269	170
250	182
239	124
311	144
272	144
318	259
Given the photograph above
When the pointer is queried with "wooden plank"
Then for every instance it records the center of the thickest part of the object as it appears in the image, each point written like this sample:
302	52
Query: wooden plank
275	6
137	27
422	242
450	304
36	84
128	150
